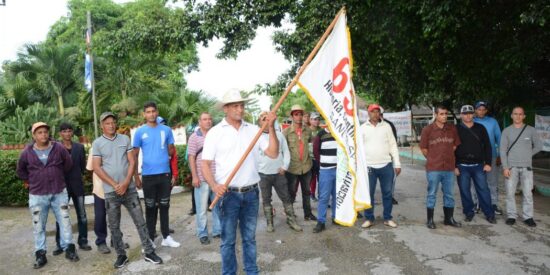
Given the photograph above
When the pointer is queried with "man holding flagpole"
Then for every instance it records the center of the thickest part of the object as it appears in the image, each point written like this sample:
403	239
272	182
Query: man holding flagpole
239	201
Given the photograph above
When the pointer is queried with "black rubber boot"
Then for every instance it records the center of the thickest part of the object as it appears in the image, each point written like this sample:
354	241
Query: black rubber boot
40	259
449	219
70	253
430	224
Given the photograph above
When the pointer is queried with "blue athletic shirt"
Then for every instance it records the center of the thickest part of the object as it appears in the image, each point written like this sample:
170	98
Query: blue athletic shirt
154	142
493	130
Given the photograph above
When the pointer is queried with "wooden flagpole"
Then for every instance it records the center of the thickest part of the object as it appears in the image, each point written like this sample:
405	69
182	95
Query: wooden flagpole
280	102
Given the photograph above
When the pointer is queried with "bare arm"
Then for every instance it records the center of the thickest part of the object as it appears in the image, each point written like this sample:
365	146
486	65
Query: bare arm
131	168
424	152
219	189
272	150
137	179
194	173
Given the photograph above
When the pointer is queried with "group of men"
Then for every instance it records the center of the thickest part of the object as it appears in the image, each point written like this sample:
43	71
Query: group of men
472	151
279	160
52	171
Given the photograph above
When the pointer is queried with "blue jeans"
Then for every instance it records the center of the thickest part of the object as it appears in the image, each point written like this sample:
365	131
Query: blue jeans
385	176
475	173
327	188
242	209
39	206
201	203
446	180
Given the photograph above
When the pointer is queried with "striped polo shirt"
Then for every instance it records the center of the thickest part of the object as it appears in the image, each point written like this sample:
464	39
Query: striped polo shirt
327	151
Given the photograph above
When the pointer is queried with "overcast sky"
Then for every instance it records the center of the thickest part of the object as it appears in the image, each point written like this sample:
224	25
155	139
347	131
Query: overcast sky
28	21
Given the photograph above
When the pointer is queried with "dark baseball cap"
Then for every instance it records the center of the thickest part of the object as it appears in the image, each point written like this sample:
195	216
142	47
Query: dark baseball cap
105	115
481	103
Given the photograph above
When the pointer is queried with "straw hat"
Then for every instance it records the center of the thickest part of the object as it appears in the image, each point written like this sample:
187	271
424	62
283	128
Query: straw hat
233	96
296	107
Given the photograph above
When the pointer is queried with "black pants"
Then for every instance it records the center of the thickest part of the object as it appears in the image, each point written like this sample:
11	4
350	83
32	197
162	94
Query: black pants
78	202
156	191
304	180
100	225
277	181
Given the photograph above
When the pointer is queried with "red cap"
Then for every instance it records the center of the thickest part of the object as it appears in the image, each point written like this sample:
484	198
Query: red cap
373	107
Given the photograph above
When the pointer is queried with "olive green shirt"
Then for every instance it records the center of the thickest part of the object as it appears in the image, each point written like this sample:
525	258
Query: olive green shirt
297	166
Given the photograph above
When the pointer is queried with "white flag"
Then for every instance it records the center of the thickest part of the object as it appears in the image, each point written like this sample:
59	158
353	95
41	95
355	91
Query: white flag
327	82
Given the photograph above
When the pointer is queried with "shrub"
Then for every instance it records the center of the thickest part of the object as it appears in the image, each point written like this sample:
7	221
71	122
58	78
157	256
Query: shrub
16	128
184	176
12	192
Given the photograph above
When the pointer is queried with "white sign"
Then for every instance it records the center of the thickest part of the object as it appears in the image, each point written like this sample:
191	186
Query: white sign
542	124
402	122
327	83
180	137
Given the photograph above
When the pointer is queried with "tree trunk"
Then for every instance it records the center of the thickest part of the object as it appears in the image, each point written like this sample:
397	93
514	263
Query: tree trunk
60	103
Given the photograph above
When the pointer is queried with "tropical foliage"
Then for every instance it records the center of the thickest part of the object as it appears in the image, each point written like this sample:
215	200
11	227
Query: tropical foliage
142	52
407	52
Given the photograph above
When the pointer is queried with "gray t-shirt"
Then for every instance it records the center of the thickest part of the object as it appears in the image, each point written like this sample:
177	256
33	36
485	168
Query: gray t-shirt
521	154
43	154
114	158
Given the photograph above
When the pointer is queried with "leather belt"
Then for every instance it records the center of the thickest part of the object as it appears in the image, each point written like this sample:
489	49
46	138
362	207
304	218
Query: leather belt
243	189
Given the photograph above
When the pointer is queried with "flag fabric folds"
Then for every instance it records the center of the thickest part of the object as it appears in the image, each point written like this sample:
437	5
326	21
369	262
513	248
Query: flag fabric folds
327	83
88	62
88	73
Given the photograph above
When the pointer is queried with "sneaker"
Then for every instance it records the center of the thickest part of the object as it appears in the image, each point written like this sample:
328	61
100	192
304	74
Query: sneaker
204	240
153	258
192	212
492	220
121	261
313	198
367	224
394	201
319	227
530	222
168	241
390	223
469	218
103	249
217	236
510	221
498	211
58	250
310	217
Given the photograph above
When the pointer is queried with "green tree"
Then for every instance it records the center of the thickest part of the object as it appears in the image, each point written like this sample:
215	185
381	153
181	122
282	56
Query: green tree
51	70
408	52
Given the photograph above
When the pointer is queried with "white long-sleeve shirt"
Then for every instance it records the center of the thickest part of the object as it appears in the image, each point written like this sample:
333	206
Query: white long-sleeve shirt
379	143
269	166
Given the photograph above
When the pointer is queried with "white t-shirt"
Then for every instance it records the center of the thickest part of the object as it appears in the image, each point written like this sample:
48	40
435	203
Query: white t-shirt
225	145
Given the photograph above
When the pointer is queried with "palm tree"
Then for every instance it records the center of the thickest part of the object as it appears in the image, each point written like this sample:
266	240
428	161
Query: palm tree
184	107
52	70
